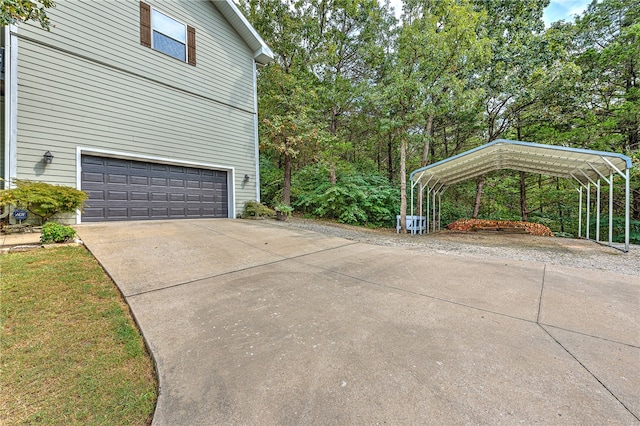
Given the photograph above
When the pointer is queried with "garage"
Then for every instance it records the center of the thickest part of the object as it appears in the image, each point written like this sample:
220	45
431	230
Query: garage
121	189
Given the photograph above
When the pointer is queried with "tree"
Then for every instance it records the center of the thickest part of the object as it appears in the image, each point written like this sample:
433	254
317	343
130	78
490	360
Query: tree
439	41
15	11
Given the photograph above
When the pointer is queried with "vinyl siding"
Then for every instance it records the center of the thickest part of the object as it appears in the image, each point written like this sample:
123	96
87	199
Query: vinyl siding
108	31
76	91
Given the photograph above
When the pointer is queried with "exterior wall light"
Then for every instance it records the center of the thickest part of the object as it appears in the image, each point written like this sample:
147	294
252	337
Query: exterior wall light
246	178
48	157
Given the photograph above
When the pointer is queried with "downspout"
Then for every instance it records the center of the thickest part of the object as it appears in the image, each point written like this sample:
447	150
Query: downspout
255	128
10	105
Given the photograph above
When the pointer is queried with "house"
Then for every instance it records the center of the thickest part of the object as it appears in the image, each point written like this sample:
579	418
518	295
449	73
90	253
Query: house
150	107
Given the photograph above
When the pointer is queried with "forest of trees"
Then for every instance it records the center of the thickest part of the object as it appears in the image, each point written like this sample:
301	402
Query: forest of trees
356	99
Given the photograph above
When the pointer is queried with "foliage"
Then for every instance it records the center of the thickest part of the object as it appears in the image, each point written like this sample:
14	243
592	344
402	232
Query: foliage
354	91
283	209
14	11
71	353
43	199
618	233
355	198
271	179
53	232
254	209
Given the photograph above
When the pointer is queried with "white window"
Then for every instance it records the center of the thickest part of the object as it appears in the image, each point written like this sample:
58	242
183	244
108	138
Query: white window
169	35
164	34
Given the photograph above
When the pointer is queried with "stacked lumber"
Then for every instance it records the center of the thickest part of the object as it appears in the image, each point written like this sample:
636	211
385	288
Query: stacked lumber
506	226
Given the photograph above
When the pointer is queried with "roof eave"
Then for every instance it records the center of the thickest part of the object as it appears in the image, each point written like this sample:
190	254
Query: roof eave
262	54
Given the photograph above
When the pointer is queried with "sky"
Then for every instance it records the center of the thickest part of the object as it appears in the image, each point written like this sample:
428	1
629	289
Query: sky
564	10
556	11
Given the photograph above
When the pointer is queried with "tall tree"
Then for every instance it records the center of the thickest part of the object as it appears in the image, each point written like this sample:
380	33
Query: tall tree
437	39
15	11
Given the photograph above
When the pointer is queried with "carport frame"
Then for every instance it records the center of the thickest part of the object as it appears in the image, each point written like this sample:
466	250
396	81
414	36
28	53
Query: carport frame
585	167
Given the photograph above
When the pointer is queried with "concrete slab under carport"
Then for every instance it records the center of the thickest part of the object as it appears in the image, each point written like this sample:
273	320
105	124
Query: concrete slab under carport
324	331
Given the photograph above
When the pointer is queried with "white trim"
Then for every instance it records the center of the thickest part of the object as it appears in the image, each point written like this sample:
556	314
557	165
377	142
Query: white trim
231	187
262	53
186	35
255	130
11	105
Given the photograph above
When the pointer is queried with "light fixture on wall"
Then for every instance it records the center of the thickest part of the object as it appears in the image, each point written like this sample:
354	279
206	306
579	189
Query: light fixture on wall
246	178
48	157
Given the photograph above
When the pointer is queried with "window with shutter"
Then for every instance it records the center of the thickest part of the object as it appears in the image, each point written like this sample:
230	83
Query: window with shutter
167	35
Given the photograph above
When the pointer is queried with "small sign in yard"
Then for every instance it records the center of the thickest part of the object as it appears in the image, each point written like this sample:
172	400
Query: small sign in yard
20	214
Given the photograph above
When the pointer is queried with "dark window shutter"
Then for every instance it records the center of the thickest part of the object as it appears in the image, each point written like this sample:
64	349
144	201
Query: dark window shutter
145	24
191	45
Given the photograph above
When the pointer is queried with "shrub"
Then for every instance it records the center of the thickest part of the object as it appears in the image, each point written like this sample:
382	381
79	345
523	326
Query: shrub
43	199
283	209
55	233
355	198
254	209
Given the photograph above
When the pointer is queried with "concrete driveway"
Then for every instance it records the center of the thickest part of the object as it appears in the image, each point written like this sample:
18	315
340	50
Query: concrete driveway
253	323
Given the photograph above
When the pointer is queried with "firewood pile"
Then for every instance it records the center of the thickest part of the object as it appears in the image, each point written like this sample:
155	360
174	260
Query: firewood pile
506	226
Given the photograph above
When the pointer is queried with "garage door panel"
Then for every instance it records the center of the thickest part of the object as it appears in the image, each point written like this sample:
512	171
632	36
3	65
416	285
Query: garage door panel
116	179
136	190
92	212
117	196
139	196
93	177
139	180
139	212
158	181
117	212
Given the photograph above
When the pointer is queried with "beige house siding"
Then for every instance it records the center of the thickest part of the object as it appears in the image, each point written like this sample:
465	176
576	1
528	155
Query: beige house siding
109	32
89	83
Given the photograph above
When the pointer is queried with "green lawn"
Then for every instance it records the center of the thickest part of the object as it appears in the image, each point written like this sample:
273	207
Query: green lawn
70	351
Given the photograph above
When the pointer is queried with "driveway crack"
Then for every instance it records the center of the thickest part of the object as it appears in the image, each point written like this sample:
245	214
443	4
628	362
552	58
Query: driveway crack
571	354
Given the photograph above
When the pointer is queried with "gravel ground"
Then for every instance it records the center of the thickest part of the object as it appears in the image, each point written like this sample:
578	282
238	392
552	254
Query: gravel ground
556	251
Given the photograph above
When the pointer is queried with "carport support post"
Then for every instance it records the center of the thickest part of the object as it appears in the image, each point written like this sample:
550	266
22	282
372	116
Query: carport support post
580	213
611	209
434	210
626	211
412	230
588	209
439	208
420	203
598	212
428	199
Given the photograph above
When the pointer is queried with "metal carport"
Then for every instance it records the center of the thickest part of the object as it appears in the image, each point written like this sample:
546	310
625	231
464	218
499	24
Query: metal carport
585	167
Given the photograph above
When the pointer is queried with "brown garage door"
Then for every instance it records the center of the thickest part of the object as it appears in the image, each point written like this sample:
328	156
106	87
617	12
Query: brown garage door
137	190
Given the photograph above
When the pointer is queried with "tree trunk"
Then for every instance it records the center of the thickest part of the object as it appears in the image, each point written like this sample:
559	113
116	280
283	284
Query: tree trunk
286	188
403	183
476	205
332	174
390	159
523	196
427	142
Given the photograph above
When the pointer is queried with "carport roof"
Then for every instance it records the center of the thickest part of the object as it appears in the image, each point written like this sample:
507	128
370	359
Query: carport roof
572	163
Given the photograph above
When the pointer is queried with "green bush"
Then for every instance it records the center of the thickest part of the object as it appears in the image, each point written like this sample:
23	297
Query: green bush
55	233
43	199
271	179
254	209
355	198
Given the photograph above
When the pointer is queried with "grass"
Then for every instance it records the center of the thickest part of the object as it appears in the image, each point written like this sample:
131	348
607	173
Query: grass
70	352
